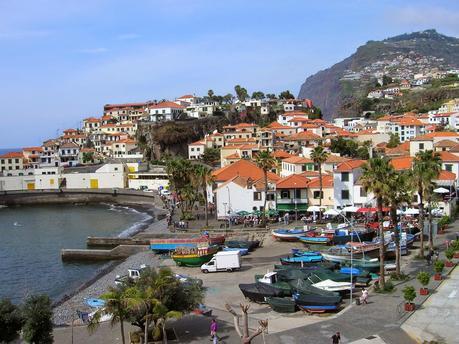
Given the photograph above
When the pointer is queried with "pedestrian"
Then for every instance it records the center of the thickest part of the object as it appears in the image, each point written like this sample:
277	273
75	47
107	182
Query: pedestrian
336	338
436	254
429	258
364	297
213	330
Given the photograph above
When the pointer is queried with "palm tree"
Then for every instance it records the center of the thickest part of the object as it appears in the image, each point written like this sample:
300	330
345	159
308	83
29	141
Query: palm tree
427	166
266	162
400	190
319	156
374	179
204	176
117	304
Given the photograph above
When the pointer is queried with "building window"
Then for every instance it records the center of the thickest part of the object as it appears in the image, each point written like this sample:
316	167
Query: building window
285	194
270	197
257	196
449	167
317	195
421	146
344	194
363	192
344	176
297	193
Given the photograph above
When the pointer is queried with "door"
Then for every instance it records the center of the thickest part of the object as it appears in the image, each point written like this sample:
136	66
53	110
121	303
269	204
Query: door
94	183
30	186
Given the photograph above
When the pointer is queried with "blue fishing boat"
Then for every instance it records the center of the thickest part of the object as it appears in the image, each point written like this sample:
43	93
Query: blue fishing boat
288	234
314	240
95	303
348	270
318	309
297	252
298	260
243	251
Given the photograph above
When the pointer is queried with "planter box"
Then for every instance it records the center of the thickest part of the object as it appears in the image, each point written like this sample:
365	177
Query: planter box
423	291
449	264
409	307
437	277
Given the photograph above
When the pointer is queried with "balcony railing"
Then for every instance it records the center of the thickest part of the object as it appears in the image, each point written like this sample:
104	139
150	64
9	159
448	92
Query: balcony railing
291	200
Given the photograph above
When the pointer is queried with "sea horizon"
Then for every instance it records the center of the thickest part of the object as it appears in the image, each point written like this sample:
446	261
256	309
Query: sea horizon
8	150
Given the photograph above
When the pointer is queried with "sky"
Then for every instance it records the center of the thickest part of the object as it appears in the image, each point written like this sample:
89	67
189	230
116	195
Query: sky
62	60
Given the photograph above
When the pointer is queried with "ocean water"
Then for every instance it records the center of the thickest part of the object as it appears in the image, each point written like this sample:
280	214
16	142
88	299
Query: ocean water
31	238
7	150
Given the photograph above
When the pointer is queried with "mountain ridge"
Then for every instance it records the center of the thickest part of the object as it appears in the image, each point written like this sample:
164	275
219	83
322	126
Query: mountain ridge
333	88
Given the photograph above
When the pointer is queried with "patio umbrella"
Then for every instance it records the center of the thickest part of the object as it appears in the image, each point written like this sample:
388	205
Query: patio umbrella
332	212
313	208
411	211
243	213
273	212
441	190
350	209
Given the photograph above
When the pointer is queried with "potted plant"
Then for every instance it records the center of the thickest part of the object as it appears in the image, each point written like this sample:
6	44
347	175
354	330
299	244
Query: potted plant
438	267
409	294
449	253
423	278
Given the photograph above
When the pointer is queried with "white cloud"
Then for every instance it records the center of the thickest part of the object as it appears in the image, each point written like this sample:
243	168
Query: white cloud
92	50
12	35
426	17
128	36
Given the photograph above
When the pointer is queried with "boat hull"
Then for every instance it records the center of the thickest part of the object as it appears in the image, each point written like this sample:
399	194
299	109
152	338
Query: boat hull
316	300
282	305
192	260
314	240
344	239
257	292
171	244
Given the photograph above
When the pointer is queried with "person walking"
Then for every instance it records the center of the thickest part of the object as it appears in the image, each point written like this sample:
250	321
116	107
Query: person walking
364	297
336	338
429	258
213	331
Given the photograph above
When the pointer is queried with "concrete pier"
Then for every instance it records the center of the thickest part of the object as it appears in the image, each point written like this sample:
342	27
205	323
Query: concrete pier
113	242
119	252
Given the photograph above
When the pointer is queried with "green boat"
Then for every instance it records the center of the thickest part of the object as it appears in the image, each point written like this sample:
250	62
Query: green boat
367	264
193	256
271	279
282	304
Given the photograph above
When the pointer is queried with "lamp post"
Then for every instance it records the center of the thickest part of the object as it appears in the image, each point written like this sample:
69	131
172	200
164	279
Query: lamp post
296	205
224	205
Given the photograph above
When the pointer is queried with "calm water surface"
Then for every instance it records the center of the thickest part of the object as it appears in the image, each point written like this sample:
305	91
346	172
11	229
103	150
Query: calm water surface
31	238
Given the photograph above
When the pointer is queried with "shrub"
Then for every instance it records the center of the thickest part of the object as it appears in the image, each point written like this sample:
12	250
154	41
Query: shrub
38	327
388	287
10	321
398	277
449	253
439	265
409	293
423	278
454	245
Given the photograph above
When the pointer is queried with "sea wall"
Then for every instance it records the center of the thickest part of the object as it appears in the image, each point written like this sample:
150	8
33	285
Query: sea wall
122	196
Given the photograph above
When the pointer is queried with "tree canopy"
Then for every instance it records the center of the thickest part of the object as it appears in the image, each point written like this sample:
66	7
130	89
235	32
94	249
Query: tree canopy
38	327
11	321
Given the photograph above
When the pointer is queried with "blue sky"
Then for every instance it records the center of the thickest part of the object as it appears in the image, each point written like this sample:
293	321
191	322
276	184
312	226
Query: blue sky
61	60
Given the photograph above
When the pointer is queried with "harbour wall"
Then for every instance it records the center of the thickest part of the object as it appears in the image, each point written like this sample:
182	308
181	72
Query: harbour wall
122	196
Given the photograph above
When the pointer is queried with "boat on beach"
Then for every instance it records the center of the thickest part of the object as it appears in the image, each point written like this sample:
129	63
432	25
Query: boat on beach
196	256
343	236
315	300
171	244
258	292
330	285
282	304
315	240
243	251
299	260
288	234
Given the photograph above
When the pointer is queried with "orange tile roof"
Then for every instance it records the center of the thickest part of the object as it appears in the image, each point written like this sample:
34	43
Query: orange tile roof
327	182
11	155
309	126
293	181
243	168
233	156
299	119
430	136
277	125
91	120
297	160
402	163
408	121
405	145
446	175
186	96
27	149
309	174
196	143
350	165
455	148
166	104
396	151
450	157
304	136
240	125
366	132
446	143
281	154
334	159
295	113
241	140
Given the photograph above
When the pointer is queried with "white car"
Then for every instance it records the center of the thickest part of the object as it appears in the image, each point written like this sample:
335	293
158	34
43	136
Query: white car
165	192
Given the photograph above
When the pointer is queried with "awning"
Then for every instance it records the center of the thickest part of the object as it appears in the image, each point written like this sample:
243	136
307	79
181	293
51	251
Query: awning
350	209
371	210
441	190
315	208
332	212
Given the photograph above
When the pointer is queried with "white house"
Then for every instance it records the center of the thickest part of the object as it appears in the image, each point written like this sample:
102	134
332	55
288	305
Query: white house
345	177
98	177
164	111
243	194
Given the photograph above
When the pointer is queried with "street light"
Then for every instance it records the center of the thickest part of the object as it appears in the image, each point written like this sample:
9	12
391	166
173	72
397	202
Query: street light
296	206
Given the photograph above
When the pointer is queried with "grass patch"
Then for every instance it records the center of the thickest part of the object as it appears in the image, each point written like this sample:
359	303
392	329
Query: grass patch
388	288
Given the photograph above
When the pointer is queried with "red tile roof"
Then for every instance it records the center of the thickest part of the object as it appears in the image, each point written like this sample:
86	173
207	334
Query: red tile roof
350	165
281	154
402	163
304	136
297	160
327	182
430	136
446	143
164	105
277	125
11	155
446	175
449	157
294	181
243	168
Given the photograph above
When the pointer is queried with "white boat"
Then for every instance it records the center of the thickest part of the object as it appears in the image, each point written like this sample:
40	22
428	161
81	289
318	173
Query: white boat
330	285
288	234
104	316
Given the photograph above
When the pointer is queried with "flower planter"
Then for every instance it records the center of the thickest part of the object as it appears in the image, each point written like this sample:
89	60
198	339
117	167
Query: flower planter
409	307
437	277
449	264
423	291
